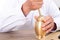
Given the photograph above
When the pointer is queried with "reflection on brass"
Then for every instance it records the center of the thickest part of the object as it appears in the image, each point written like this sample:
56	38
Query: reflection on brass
40	34
38	29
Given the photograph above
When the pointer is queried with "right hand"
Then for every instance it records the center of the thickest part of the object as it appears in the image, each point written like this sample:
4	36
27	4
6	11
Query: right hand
35	4
32	5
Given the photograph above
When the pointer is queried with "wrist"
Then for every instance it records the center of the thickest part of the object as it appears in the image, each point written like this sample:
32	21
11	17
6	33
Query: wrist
25	9
55	26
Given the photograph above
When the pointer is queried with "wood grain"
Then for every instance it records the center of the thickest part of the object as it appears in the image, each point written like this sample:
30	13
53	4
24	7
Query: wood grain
26	35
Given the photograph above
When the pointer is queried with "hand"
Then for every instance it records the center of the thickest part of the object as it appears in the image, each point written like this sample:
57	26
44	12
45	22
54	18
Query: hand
35	4
31	5
49	24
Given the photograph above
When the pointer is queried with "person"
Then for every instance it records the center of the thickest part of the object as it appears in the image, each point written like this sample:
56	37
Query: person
11	15
15	13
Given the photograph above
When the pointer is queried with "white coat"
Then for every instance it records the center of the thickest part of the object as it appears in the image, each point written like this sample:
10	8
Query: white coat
12	17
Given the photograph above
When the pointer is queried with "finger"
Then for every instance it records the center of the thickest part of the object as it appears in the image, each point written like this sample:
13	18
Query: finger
49	30
36	4
36	17
37	0
47	18
47	23
48	26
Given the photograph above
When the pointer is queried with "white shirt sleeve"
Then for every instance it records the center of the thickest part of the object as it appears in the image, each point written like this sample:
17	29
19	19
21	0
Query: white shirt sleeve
54	12
11	15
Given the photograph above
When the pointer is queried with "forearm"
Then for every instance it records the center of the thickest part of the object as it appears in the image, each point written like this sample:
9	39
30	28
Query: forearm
11	23
11	26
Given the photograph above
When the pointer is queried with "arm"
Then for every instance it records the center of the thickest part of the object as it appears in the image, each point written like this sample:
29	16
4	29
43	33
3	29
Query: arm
10	15
13	14
52	17
55	13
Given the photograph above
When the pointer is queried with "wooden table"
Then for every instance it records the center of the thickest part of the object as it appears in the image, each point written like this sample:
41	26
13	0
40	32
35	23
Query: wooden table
26	35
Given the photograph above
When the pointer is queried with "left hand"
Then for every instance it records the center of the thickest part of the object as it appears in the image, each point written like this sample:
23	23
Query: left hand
49	24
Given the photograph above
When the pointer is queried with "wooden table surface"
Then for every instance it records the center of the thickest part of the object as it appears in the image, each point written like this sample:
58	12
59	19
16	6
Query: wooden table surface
26	35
